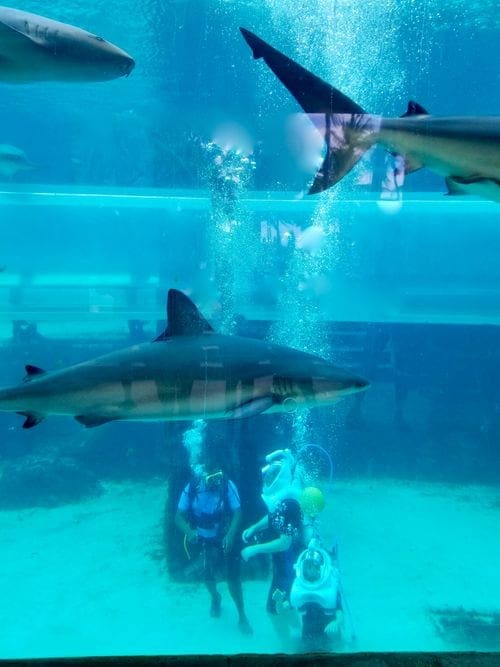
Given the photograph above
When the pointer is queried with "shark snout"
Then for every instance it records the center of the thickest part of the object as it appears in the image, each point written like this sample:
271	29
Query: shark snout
127	66
338	385
352	385
110	59
360	383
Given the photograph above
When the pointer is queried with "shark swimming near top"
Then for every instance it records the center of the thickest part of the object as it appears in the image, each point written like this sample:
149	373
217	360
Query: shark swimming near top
189	372
465	150
36	48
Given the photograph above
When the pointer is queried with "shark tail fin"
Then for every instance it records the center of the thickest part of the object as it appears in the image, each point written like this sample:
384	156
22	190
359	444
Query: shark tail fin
314	95
330	110
347	138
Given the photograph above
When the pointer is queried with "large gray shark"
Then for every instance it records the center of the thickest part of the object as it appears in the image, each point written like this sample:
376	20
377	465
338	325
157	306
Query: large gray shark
35	48
465	150
188	372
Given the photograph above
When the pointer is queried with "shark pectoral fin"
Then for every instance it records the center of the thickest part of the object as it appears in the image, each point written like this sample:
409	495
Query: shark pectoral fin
453	187
32	371
475	184
31	420
411	164
89	421
254	406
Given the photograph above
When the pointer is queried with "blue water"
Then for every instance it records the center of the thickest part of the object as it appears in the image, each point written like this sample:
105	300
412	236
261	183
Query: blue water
123	206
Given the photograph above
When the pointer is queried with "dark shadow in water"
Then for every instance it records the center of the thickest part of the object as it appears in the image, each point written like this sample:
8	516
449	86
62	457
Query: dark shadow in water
462	628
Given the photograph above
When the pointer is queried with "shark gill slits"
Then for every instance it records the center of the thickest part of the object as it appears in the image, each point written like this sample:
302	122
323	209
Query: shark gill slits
127	394
283	386
163	392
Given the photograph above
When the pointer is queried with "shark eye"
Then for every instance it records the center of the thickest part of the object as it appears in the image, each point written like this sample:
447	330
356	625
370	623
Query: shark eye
98	39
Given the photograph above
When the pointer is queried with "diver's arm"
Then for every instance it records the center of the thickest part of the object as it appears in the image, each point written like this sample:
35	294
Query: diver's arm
182	524
261	525
282	543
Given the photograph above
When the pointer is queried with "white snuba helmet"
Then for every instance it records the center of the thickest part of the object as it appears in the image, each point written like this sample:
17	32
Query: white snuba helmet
278	478
316	579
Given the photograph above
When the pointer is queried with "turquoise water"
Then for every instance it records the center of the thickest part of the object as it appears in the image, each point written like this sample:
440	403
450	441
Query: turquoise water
126	202
386	261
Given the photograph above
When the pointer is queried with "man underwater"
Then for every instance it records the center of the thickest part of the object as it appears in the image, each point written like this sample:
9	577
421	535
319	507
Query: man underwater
209	514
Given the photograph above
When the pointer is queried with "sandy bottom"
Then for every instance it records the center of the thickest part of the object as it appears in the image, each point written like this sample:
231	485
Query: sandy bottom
86	579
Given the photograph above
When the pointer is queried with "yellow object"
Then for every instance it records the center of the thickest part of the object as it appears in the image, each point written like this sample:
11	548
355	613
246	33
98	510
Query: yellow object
312	500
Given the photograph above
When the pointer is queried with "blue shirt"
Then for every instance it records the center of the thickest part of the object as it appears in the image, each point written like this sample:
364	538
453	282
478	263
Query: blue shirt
209	507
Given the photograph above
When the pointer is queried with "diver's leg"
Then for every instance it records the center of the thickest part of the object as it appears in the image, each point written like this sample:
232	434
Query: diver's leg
209	556
276	583
283	576
233	578
275	597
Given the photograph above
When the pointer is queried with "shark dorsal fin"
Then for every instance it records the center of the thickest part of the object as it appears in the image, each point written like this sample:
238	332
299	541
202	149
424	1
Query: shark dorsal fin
32	371
184	318
414	109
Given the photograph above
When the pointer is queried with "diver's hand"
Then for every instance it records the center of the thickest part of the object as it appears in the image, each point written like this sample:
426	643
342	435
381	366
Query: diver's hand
334	628
248	552
282	604
247	535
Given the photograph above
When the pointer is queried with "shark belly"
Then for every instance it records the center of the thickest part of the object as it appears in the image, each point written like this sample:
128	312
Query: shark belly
139	400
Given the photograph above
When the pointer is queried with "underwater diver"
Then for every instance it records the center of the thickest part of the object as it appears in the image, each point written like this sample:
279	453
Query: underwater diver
316	598
283	521
316	595
209	514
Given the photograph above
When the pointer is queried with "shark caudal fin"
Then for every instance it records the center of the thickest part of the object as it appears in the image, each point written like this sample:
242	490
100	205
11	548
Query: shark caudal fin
347	129
314	95
335	115
183	317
